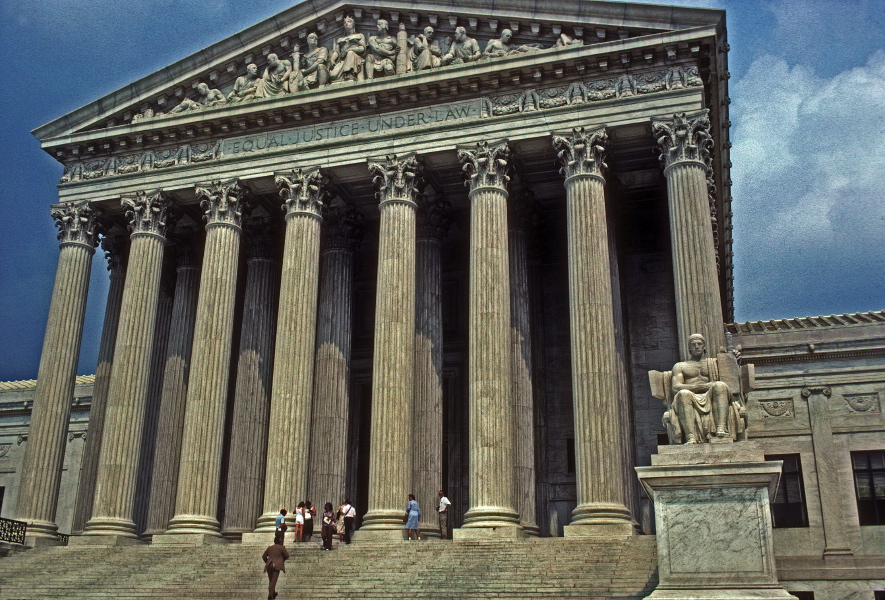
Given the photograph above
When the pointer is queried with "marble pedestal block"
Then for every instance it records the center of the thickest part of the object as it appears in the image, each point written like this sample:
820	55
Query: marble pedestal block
713	522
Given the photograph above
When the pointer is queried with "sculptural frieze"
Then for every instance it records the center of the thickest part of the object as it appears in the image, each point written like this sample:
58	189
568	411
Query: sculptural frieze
208	97
275	80
348	56
246	86
704	396
462	50
503	46
424	50
312	70
382	53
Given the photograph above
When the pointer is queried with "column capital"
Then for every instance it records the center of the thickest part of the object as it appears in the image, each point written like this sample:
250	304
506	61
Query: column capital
259	239
222	202
148	212
343	228
434	216
186	237
78	223
487	165
683	137
821	389
524	214
116	250
397	179
581	152
303	191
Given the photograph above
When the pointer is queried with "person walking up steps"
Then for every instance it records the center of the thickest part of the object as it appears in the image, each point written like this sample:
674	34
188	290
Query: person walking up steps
274	557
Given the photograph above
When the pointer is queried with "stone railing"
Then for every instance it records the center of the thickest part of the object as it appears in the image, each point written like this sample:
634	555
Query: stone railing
13	531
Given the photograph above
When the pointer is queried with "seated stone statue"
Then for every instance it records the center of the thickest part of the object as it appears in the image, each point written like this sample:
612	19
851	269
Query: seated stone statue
424	51
704	396
245	86
463	50
349	54
503	47
275	81
316	66
381	55
208	98
567	40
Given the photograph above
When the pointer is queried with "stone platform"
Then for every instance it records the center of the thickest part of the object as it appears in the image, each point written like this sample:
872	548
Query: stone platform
610	569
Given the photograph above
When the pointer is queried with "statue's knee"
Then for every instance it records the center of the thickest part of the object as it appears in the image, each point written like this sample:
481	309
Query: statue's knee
719	387
683	398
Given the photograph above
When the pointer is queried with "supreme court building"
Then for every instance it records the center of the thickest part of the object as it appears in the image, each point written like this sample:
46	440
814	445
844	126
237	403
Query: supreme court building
365	251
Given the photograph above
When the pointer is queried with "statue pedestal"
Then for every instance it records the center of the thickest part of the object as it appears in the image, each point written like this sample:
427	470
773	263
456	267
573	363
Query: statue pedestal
713	522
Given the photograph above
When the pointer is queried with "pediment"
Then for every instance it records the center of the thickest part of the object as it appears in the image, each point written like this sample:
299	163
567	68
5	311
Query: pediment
169	99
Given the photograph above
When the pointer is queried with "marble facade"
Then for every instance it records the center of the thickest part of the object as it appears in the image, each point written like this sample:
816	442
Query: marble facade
370	252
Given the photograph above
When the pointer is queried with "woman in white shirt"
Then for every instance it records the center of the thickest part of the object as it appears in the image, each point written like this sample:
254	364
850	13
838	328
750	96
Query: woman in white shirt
299	522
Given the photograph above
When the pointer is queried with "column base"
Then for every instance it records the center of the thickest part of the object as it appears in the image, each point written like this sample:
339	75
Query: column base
600	518
721	594
268	522
499	532
187	539
102	540
194	524
601	528
46	530
110	526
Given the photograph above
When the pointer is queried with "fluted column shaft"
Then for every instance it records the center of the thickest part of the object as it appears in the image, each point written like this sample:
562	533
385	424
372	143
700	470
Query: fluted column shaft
170	426
331	398
288	439
492	436
522	377
47	433
246	466
601	508
684	141
390	464
113	508
427	476
89	462
199	472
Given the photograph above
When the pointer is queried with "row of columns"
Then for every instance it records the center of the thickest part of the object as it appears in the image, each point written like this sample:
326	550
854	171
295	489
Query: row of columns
304	410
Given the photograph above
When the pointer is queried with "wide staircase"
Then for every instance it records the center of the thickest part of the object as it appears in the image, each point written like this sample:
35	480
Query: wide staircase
597	569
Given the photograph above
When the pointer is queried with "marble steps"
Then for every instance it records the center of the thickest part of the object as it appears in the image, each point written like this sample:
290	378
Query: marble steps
560	568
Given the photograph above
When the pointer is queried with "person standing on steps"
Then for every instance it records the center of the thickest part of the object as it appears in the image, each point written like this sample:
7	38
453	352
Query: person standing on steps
443	510
413	514
299	522
309	513
348	512
329	524
281	524
274	557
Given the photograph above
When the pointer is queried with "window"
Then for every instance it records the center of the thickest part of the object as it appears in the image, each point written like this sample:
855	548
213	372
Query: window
869	486
788	508
570	455
804	595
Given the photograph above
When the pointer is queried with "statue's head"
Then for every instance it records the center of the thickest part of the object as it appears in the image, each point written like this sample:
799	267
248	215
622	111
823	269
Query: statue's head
506	35
349	24
312	40
273	60
382	26
460	34
252	69
428	32
203	89
697	345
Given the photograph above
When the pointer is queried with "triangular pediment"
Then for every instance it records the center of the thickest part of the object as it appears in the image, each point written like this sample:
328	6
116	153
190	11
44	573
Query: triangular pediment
171	95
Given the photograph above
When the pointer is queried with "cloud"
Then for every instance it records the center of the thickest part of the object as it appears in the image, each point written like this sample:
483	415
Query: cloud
809	154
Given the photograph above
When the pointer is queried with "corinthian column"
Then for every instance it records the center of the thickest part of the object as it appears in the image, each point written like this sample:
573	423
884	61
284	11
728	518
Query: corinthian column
397	184
492	490
44	454
685	142
199	471
113	509
434	218
601	506
523	211
331	400
288	443
116	250
245	478
164	479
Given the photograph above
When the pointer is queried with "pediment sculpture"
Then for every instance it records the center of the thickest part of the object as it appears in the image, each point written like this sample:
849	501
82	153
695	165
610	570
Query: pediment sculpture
704	396
356	57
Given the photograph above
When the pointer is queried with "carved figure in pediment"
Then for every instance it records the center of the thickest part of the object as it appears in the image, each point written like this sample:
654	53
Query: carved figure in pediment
315	71
246	86
208	98
463	50
503	47
381	56
566	40
275	81
704	396
424	51
147	113
348	56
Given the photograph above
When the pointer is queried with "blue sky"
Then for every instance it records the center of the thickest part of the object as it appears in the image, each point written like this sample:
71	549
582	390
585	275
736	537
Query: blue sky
808	114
